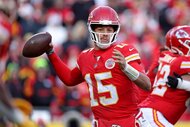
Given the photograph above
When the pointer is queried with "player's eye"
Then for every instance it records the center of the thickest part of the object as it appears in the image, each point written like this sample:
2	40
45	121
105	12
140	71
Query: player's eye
99	29
110	30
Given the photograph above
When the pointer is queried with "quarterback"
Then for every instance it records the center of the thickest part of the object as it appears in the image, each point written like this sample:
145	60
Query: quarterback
112	71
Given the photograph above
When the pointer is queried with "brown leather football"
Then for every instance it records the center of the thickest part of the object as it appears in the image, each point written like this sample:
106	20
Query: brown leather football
37	45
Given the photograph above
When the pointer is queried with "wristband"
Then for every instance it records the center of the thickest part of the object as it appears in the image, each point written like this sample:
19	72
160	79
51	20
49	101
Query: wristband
131	72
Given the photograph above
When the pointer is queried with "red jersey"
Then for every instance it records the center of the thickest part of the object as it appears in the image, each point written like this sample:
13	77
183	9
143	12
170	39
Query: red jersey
170	102
113	95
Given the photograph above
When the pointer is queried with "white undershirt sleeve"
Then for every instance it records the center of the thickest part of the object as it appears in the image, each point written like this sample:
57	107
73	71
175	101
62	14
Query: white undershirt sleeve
183	84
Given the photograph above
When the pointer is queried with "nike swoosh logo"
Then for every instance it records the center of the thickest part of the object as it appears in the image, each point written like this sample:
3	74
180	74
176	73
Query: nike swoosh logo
131	49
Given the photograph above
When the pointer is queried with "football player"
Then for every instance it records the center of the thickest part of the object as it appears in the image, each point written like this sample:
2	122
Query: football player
112	71
165	105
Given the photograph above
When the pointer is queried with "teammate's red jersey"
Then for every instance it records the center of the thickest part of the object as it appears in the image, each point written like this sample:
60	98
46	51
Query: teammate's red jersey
170	102
113	95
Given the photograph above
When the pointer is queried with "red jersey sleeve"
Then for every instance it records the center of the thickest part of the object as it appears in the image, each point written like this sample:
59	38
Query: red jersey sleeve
67	76
131	56
83	59
130	52
182	65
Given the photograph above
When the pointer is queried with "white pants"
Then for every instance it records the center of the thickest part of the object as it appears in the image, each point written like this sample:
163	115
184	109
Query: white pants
141	120
155	118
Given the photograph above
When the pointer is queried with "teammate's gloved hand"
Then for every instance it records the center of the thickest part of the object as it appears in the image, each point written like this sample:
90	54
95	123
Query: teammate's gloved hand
173	81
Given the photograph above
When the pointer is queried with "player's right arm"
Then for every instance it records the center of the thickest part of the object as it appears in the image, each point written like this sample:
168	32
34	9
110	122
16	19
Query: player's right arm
130	70
67	76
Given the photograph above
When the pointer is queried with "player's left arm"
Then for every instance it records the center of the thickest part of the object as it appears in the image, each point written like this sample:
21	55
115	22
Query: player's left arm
131	70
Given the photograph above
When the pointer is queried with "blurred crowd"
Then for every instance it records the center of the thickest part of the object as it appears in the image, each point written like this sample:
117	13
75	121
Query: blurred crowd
143	24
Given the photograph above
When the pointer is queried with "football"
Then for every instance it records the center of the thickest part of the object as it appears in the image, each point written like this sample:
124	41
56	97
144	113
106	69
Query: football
36	45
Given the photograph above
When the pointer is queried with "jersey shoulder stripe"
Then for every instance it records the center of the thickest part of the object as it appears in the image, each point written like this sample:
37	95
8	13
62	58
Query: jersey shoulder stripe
185	64
132	57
